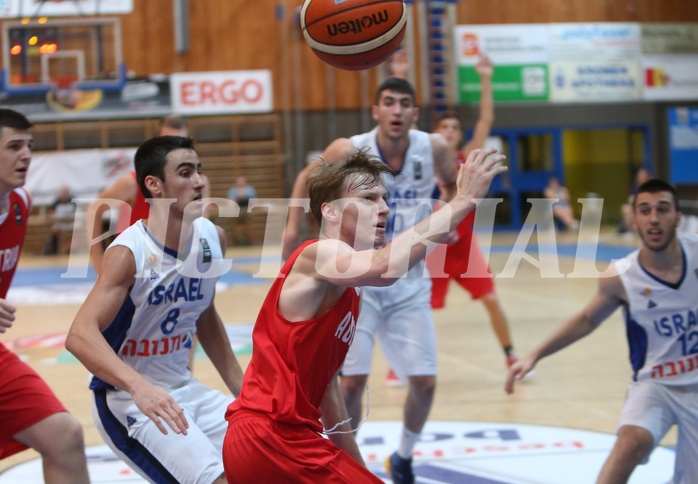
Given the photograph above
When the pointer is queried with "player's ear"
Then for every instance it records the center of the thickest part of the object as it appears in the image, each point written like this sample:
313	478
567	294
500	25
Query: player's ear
330	211
374	112
154	185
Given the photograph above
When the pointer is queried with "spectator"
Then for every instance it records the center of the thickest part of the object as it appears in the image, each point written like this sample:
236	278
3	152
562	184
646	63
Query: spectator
562	210
241	193
63	216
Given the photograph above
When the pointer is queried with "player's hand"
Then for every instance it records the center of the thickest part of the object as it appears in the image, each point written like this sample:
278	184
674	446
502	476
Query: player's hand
158	405
484	66
517	372
7	315
477	173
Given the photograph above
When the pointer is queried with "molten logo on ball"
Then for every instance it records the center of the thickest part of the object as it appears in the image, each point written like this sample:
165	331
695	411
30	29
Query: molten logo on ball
356	26
353	34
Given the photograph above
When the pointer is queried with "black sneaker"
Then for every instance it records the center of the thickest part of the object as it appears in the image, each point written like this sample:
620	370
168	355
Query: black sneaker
399	469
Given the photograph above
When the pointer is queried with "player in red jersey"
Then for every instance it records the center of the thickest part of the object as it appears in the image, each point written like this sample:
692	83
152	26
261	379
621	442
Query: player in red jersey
463	254
308	322
30	414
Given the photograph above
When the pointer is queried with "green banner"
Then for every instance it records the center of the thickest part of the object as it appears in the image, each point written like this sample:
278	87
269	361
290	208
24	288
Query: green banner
509	83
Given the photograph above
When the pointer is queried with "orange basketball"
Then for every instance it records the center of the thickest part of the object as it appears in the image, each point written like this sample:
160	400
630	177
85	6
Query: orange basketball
353	34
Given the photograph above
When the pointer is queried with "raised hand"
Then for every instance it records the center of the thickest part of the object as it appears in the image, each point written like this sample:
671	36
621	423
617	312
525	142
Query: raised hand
476	174
484	66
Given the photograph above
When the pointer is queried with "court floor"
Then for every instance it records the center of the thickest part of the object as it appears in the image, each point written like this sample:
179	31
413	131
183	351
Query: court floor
579	389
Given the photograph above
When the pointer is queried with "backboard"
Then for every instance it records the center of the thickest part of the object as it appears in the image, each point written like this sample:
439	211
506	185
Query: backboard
45	54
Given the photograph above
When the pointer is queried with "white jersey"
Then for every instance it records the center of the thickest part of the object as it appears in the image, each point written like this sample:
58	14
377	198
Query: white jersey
154	327
662	320
411	190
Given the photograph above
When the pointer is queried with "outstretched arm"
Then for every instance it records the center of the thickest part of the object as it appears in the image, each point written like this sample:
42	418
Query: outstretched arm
609	296
485	69
337	263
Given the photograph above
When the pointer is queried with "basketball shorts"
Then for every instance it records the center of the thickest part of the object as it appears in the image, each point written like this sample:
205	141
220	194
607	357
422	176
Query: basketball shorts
257	449
25	400
191	458
400	316
656	407
447	263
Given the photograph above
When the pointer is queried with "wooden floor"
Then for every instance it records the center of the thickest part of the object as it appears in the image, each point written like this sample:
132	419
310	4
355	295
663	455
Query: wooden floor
582	387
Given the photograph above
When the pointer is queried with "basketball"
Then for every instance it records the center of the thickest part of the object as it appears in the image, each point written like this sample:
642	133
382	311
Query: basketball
353	34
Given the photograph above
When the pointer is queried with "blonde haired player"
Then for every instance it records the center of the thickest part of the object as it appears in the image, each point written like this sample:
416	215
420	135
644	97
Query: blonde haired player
308	323
399	315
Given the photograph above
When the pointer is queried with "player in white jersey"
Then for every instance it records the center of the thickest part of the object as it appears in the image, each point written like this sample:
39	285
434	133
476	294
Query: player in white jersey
155	290
400	314
657	287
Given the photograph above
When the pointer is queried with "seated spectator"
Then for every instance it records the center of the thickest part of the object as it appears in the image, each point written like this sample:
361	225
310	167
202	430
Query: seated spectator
241	193
63	216
562	210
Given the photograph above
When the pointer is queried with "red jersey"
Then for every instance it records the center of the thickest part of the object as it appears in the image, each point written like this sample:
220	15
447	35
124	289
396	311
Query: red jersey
141	208
293	362
12	231
25	399
457	253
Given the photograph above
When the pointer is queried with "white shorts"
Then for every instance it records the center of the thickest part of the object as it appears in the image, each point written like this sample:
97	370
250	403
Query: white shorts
656	407
401	316
192	458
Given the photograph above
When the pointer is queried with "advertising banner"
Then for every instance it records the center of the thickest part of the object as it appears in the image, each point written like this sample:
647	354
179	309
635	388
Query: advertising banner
670	61
683	144
225	92
519	53
670	76
595	62
84	172
594	42
669	38
595	81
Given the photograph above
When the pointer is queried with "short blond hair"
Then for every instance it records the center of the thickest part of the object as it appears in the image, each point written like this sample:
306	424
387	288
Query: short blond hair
328	181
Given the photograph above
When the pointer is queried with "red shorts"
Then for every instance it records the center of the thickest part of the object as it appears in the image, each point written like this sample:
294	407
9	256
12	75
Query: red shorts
257	449
25	399
450	262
